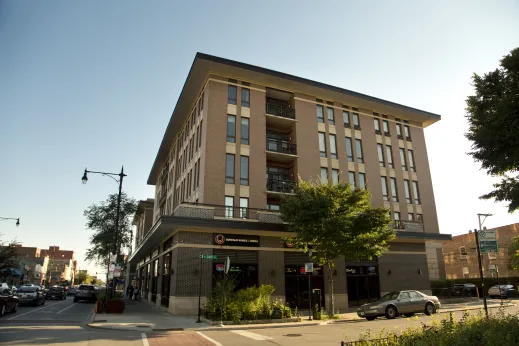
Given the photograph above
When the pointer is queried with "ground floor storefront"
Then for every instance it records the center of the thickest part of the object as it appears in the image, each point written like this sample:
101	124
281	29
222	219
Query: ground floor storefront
170	275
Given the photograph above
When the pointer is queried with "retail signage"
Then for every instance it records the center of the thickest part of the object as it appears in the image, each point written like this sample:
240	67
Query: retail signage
209	257
220	267
236	240
309	267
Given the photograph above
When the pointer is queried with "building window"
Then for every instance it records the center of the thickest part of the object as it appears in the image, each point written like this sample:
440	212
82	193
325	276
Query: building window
324	175
331	118
463	252
200	135
358	148
410	156
407	190
380	151
229	206
465	271
402	159
419	218
416	193
492	255
195	172
335	176
320	115
202	102
322	144
244	170
377	126
273	207
245	97
385	196
389	156
399	131
385	125
410	216
407	133
396	216
198	174
362	180
346	118
231	128
349	150
333	146
351	179
244	208
356	121
229	169
232	95
244	131
394	191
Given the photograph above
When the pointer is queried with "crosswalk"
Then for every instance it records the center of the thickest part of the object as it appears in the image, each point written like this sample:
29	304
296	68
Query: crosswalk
251	335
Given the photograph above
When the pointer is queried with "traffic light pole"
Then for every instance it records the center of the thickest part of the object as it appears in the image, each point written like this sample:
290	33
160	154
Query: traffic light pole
481	273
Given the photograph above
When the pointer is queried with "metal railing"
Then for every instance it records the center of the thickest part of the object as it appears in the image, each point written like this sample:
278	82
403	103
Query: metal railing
282	186
280	146
409	226
281	111
214	211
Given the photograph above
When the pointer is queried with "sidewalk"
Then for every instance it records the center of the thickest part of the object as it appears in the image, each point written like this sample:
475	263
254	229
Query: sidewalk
141	316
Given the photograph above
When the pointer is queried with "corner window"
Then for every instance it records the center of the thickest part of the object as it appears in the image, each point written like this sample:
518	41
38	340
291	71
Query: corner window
244	170
362	180
231	128
229	169
245	97
244	131
331	118
358	148
380	151
385	195
231	95
349	150
322	144
324	175
320	115
333	146
335	176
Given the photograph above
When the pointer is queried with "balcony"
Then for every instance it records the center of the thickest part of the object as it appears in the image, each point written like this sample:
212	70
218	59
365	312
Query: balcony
280	150
280	186
215	212
408	226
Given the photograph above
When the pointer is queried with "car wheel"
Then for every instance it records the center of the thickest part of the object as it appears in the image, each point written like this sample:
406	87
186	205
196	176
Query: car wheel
2	310
15	308
391	312
429	309
371	318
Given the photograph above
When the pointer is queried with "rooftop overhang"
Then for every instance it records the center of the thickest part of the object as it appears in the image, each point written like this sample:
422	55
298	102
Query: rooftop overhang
204	65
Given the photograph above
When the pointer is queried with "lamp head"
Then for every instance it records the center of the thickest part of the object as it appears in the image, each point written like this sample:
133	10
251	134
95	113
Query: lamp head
17	222
85	178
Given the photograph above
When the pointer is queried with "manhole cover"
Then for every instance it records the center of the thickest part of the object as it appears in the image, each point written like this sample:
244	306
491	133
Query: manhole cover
293	335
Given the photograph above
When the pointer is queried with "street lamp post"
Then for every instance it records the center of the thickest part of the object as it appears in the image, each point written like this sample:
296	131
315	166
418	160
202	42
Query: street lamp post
479	261
11	218
121	176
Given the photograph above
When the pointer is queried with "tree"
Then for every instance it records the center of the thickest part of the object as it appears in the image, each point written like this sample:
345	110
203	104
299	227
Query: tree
493	116
8	258
513	254
335	220
80	278
101	218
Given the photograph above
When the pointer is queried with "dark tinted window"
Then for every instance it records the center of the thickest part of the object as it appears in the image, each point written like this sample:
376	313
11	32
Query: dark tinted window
27	289
86	288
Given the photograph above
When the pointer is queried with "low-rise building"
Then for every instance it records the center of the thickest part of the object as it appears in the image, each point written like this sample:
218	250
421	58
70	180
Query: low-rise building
461	260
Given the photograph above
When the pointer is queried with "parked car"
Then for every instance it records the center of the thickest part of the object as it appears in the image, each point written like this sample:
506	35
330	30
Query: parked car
31	295
8	301
85	292
397	303
72	291
464	290
56	292
502	291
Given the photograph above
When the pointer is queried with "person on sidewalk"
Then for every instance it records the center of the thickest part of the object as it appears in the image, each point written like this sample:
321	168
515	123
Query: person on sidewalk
128	290
131	292
136	294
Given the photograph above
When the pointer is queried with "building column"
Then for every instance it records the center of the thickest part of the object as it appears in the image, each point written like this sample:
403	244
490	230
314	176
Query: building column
159	280
271	271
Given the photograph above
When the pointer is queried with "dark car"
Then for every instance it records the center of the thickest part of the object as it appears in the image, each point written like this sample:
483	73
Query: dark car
56	292
502	291
8	301
85	292
31	295
464	290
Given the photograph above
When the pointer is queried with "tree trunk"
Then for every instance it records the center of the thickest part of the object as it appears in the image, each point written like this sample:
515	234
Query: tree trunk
331	308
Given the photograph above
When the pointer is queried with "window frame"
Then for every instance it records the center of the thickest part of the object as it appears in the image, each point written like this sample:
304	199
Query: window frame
403	159
231	138
349	157
230	100
385	191
324	175
229	209
354	183
244	140
394	189
416	192
322	140
244	210
410	160
358	150
407	190
362	180
356	121
335	176
245	94
380	154
376	122
346	118
399	131
320	115
328	113
385	128
244	174
230	179
389	157
407	133
333	145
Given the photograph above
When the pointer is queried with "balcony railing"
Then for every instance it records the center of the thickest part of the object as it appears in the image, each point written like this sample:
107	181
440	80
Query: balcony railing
409	226
280	146
212	211
281	111
281	186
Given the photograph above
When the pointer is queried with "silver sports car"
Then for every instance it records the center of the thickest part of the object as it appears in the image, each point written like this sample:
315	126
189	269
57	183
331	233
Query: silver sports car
397	303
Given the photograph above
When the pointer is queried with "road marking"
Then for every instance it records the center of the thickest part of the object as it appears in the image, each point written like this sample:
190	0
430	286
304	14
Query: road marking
144	339
68	307
209	339
250	335
30	312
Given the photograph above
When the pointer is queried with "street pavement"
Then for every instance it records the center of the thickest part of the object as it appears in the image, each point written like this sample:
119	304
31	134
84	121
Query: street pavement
66	323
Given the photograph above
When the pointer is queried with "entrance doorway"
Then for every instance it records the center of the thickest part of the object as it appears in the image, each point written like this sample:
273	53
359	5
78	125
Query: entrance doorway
166	280
363	284
296	285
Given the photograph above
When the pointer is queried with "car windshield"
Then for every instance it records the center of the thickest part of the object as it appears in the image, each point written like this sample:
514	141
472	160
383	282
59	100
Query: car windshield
27	289
389	296
86	288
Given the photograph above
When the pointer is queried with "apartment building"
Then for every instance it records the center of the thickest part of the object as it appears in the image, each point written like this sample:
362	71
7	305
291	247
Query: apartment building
461	260
238	139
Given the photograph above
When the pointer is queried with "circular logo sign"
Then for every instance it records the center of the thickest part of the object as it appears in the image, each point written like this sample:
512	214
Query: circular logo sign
219	239
220	267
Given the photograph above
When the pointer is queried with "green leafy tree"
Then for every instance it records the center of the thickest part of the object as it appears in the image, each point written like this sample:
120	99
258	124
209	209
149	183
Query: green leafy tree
334	221
513	254
101	219
80	278
8	258
93	281
493	116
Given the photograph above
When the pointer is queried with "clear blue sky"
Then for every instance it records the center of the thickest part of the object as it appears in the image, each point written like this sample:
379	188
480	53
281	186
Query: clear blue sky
93	84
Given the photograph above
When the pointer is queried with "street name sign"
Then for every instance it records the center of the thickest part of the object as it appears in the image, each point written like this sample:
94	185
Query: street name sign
487	241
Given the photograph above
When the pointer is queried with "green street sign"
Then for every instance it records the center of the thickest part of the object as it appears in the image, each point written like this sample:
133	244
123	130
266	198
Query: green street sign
487	241
209	257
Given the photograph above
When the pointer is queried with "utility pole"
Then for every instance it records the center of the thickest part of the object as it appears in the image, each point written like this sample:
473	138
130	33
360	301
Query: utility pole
476	232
